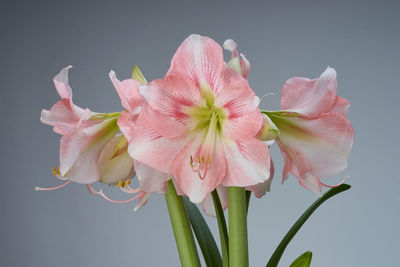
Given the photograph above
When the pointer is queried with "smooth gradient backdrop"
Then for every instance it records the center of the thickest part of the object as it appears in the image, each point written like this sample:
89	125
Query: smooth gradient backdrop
69	227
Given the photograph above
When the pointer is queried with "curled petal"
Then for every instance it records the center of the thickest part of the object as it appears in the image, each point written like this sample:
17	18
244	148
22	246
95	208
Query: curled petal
340	106
128	91
310	97
231	46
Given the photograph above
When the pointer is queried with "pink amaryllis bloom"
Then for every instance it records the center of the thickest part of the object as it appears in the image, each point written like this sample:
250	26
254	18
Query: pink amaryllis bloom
315	137
91	149
200	123
150	179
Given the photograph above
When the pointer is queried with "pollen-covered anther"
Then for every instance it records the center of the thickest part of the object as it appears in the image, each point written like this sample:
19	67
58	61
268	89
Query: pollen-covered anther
56	171
124	183
200	165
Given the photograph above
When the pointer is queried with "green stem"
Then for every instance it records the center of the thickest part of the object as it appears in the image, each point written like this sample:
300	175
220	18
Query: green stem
238	250
181	226
223	232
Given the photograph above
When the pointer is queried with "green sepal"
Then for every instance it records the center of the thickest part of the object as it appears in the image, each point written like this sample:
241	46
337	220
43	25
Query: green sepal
303	261
137	75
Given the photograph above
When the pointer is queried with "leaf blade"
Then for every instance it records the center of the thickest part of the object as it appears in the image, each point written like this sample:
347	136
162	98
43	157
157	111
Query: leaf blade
304	260
203	235
276	256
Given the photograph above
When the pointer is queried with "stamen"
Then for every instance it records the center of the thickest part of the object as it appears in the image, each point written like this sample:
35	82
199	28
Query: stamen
100	193
200	166
129	190
52	188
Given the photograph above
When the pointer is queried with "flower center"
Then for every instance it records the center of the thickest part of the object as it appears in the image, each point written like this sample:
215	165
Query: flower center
208	120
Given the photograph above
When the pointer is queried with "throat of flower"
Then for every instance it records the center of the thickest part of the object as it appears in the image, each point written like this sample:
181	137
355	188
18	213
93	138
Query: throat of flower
201	161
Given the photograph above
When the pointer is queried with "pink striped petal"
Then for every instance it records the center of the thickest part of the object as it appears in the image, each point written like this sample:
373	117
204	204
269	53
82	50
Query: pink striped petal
152	149
200	58
167	101
244	127
310	97
248	163
236	97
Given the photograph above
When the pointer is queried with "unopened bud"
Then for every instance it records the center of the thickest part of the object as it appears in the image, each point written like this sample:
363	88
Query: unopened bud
269	130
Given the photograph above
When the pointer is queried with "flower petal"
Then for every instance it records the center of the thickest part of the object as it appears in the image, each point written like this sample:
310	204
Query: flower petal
200	58
316	147
190	182
238	99
128	91
150	179
114	168
62	84
152	149
208	204
260	189
310	97
80	153
340	106
248	163
167	101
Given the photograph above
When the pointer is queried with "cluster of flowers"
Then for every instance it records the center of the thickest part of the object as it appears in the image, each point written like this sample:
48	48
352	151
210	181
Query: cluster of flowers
201	126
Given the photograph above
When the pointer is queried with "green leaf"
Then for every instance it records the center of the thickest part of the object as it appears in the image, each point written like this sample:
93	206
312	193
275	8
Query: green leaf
303	261
137	75
203	234
274	260
248	196
223	230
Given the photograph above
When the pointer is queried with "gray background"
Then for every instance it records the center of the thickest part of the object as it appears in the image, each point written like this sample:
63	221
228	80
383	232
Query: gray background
281	39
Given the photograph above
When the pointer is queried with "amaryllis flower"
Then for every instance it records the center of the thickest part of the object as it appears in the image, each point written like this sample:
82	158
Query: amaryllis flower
315	137
200	123
91	149
150	180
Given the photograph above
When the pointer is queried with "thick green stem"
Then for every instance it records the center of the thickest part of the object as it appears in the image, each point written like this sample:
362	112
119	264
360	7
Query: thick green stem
223	232
238	250
181	226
